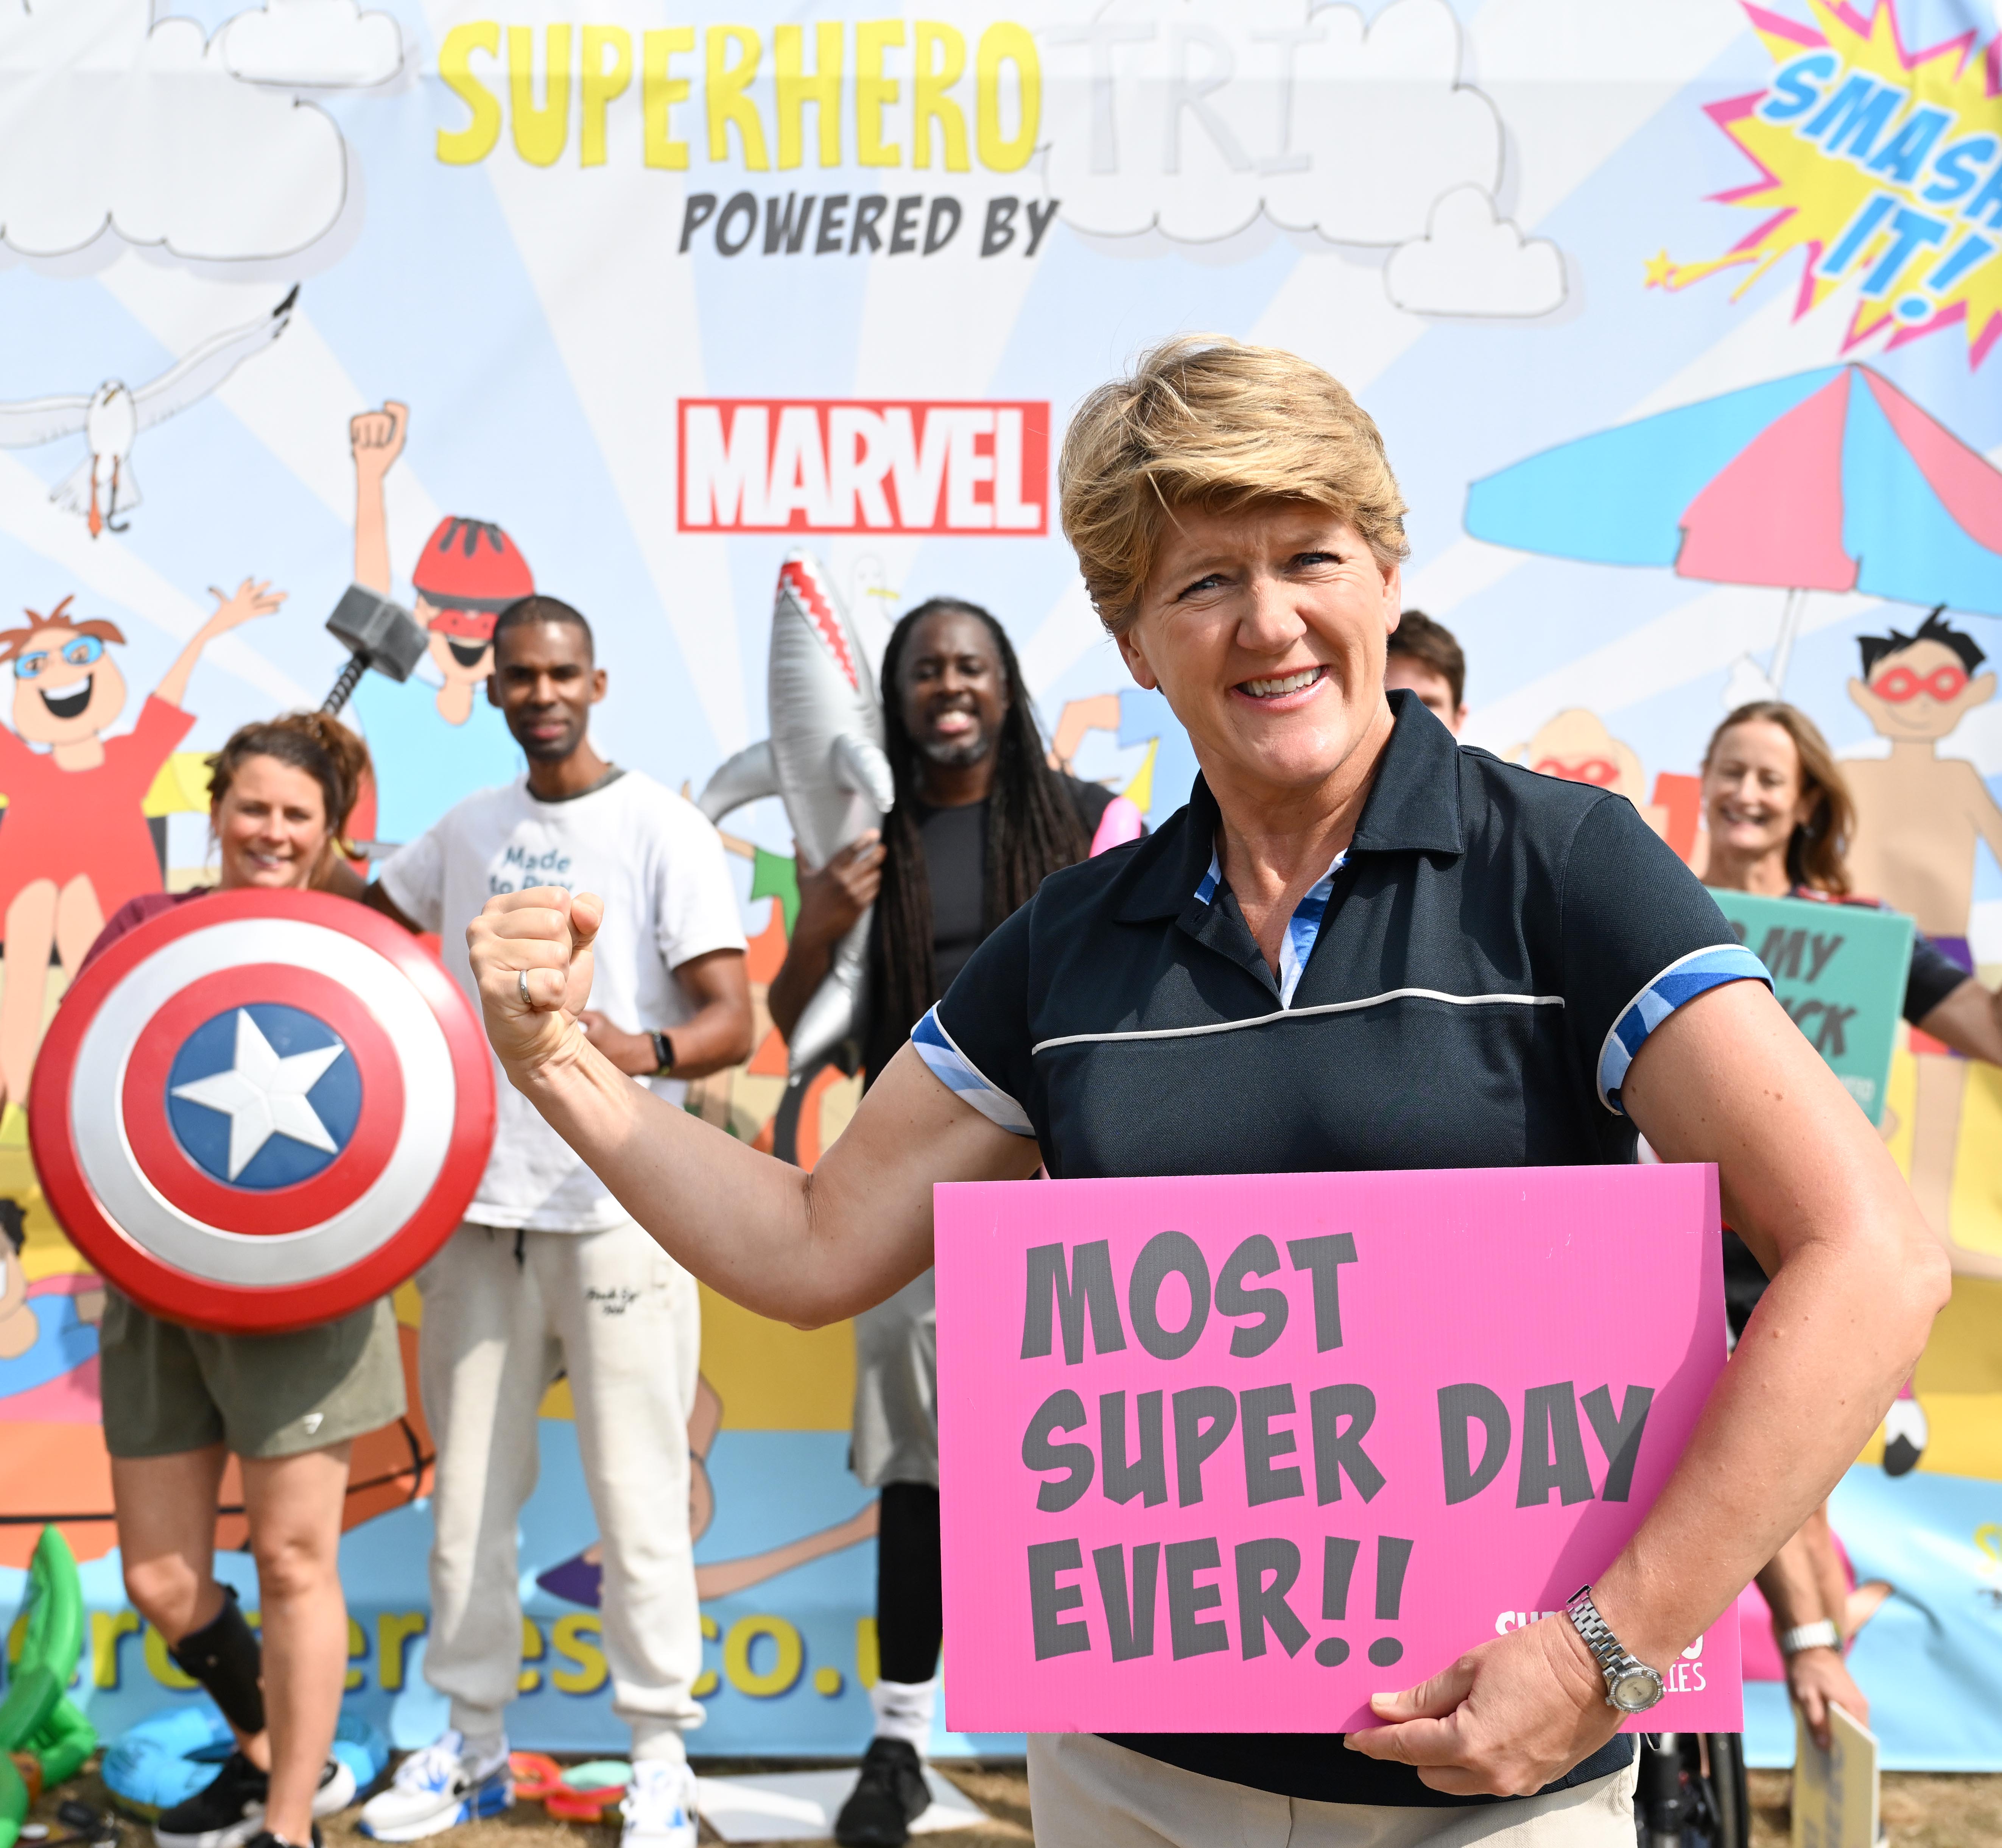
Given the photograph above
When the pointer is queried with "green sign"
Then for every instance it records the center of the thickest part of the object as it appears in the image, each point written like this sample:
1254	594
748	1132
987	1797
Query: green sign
1840	972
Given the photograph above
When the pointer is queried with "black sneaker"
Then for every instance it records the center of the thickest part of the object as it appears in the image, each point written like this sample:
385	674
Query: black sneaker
265	1839
229	1812
889	1795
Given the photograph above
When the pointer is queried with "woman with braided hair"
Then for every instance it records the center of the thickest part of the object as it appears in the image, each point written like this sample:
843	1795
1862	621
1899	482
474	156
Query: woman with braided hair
980	820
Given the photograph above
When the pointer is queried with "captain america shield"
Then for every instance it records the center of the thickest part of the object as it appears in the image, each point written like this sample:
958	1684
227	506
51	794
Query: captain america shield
261	1110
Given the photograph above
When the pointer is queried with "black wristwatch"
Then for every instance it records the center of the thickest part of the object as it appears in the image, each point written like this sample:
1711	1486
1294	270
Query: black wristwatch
663	1055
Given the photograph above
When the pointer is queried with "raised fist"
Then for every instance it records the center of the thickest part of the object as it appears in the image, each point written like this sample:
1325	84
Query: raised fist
376	437
538	940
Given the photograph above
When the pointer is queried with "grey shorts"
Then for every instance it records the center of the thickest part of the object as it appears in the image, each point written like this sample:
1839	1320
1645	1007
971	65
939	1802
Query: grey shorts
167	1389
896	1389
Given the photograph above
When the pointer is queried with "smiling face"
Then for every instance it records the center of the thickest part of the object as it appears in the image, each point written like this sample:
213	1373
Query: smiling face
66	686
1921	692
1265	628
271	825
545	683
955	692
1753	798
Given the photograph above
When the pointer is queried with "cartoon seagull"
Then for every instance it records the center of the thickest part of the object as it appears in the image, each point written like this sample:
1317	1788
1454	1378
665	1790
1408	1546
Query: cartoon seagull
102	485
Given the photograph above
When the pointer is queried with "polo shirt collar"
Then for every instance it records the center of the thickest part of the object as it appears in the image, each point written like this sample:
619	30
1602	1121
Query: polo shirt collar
1413	807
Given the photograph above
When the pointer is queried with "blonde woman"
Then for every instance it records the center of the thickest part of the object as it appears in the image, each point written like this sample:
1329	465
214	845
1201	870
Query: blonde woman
1262	959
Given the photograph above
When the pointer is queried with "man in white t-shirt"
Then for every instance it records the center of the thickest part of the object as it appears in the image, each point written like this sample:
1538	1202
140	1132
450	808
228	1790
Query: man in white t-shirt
549	1273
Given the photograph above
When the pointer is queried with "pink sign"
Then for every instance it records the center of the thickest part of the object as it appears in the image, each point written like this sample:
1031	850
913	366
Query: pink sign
1229	1454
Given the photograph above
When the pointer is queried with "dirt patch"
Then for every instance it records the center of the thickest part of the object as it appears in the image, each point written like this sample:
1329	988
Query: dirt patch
1918	1809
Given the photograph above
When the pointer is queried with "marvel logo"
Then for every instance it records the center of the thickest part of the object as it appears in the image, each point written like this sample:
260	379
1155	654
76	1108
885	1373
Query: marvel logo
768	465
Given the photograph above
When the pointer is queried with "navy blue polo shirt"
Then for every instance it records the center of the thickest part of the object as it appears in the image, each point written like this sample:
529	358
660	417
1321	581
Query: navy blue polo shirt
1465	988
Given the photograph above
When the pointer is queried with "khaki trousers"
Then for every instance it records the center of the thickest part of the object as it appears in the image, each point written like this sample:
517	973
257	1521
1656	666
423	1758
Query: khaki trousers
623	1320
1084	1792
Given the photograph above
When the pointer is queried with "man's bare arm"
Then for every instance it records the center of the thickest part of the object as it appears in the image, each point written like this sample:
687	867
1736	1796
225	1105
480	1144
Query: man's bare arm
715	1036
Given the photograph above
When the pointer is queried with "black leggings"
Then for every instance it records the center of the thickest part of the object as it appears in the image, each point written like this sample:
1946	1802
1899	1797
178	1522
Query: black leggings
910	1597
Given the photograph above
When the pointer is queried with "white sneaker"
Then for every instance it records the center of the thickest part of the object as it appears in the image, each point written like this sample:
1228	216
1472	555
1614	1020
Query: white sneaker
659	1806
438	1788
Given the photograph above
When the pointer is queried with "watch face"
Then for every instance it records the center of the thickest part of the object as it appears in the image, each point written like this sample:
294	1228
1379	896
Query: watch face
1637	1690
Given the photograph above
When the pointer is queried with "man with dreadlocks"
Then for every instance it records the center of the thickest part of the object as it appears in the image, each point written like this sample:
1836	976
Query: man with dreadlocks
980	819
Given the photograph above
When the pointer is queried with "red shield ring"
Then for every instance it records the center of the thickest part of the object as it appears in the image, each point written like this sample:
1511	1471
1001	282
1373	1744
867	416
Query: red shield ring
261	1110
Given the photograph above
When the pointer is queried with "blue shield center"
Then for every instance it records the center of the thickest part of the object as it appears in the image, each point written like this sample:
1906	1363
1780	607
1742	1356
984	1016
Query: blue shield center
263	1096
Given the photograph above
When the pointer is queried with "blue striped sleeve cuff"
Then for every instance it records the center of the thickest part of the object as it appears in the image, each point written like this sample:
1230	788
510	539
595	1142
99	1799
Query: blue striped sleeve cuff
1683	980
958	1074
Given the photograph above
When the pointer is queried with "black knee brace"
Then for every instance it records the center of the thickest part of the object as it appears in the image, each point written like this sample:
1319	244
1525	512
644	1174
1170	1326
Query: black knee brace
224	1656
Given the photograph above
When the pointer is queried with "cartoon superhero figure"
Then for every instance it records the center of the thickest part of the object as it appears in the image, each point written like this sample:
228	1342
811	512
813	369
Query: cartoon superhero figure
76	845
1919	816
433	740
1576	747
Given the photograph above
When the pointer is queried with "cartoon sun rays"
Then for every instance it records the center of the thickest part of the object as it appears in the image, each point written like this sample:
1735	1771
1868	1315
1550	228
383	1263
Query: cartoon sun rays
1884	166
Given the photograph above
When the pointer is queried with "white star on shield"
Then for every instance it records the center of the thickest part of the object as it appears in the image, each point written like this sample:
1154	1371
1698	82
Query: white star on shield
264	1095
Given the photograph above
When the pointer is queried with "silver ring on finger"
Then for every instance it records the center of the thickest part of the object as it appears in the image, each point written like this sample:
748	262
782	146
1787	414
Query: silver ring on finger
521	983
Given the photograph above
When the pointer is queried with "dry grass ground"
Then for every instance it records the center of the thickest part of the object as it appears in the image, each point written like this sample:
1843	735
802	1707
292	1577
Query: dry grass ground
1918	1812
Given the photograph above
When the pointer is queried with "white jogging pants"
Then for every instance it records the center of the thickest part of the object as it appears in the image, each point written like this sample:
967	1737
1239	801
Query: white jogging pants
617	1314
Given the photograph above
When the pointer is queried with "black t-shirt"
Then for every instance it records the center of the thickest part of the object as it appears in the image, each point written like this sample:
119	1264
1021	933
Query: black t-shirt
955	847
1496	947
955	844
1933	974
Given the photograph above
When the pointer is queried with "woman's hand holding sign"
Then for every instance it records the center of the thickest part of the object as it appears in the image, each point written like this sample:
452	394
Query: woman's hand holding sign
1504	1721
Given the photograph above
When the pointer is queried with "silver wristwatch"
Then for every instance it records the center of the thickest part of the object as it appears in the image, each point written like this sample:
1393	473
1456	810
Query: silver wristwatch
1823	1635
1630	1685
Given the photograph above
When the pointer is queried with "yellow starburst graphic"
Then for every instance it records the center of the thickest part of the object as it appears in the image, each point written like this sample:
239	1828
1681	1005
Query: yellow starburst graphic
1884	167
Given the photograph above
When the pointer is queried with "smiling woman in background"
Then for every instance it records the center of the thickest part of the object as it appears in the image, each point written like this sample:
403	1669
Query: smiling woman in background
1339	955
178	1402
1781	820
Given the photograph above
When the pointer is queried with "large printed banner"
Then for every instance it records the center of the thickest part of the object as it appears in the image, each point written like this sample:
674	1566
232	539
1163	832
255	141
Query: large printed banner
1679	320
1199	1477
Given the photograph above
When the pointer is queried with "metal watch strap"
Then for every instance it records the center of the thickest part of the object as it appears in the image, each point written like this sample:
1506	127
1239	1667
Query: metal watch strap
1823	1635
1606	1649
1616	1662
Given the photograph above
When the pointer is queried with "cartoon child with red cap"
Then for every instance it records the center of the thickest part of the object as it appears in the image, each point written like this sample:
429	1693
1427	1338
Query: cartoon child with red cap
469	571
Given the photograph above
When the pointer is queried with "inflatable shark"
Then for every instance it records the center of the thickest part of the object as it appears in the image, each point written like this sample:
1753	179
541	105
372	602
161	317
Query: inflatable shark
824	761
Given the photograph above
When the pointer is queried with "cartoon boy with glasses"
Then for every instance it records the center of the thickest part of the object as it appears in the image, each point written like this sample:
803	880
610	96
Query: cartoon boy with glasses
73	842
1918	817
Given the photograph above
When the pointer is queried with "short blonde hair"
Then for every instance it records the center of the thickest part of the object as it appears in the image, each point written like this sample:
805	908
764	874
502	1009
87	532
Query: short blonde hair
1209	421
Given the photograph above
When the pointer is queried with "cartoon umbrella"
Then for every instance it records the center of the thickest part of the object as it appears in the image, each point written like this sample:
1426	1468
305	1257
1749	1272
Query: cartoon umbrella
1831	479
